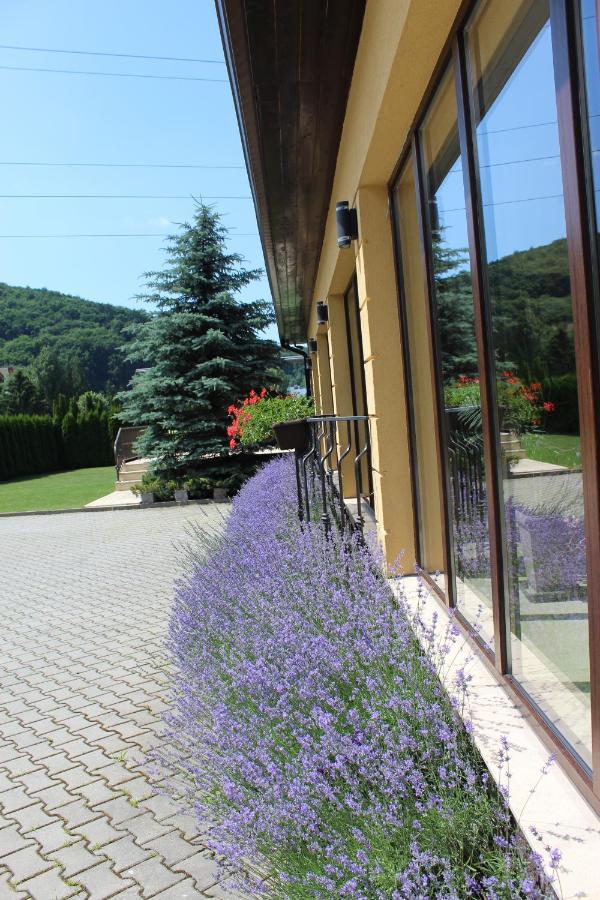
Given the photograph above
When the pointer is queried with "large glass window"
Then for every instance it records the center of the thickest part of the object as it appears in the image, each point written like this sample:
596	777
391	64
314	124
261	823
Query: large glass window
430	551
591	56
511	75
457	363
358	386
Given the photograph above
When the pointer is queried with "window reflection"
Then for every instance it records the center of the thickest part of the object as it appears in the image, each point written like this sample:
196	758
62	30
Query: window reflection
425	457
591	57
357	386
454	315
513	95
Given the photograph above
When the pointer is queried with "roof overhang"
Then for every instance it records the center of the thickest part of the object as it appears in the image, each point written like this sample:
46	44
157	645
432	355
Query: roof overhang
290	64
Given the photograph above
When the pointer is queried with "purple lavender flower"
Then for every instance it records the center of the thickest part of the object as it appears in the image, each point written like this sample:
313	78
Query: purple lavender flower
313	731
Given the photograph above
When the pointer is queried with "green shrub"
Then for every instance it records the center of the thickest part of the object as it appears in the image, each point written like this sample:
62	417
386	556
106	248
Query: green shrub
150	484
29	445
562	392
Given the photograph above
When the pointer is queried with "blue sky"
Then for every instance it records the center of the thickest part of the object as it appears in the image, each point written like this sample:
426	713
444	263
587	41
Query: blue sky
62	118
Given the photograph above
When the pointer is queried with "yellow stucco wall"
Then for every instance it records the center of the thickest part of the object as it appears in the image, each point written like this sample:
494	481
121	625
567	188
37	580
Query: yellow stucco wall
400	45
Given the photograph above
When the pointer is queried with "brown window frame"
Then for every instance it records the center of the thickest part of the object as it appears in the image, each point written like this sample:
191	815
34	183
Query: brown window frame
585	278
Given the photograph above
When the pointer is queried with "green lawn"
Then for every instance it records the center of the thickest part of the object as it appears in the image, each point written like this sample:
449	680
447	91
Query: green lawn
61	490
561	449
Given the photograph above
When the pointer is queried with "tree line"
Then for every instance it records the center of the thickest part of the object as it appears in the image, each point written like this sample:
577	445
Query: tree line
87	336
79	433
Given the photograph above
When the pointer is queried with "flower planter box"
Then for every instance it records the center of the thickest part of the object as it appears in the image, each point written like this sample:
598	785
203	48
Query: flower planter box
219	493
293	435
181	496
147	498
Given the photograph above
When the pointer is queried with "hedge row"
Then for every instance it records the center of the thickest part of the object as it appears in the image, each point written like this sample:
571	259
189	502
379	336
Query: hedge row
32	445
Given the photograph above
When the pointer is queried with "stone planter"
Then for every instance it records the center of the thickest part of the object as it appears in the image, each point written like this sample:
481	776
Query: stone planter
147	498
181	496
219	493
293	435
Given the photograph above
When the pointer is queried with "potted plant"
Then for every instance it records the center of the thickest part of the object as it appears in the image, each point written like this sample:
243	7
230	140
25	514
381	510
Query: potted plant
257	418
292	435
145	489
180	491
151	489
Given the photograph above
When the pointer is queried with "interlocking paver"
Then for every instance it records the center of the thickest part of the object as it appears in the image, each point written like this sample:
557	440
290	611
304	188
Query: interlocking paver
76	858
53	797
118	810
15	799
32	817
11	840
76	778
77	813
82	690
153	876
49	885
125	853
145	827
98	832
101	881
183	890
202	867
51	837
36	781
26	863
116	774
171	847
96	792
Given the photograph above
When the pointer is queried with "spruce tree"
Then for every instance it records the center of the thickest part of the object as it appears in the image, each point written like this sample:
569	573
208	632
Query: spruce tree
202	349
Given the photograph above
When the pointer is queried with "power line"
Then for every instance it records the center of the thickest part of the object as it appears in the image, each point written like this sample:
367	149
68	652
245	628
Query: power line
118	197
145	234
191	59
115	74
105	165
509	202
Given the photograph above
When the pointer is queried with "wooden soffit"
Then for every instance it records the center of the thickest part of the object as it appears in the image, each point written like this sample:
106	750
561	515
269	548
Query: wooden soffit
290	64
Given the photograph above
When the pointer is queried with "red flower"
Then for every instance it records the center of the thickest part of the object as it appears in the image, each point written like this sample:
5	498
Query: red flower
232	444
549	406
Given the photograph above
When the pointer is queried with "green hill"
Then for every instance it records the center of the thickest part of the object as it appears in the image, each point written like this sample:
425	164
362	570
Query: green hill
32	318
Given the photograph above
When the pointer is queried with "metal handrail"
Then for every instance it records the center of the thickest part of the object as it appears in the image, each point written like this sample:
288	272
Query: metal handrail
322	461
124	443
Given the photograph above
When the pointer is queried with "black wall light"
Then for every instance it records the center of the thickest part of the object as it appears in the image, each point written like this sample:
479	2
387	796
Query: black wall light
346	222
322	313
312	345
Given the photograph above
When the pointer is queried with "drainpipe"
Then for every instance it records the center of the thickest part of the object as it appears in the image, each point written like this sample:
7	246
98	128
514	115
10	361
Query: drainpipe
307	363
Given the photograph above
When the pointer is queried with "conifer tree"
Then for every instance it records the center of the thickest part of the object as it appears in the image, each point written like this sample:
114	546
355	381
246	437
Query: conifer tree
20	395
202	349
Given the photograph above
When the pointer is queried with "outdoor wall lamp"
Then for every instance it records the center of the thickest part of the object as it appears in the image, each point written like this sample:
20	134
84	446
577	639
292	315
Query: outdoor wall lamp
322	313
346	221
312	345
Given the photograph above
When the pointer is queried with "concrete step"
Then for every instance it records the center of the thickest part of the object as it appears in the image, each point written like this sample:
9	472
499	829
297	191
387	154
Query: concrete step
125	485
131	477
134	466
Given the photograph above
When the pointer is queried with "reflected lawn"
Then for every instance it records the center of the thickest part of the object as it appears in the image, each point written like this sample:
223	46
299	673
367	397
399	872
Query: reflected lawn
560	449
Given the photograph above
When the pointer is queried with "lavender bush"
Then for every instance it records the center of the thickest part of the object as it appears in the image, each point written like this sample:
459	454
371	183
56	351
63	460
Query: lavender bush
314	732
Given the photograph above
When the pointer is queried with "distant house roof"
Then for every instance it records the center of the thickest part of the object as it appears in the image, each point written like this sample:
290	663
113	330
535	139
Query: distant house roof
290	65
5	372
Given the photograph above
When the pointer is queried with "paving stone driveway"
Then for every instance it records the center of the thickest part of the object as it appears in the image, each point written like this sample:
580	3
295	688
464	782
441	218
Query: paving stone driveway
84	604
